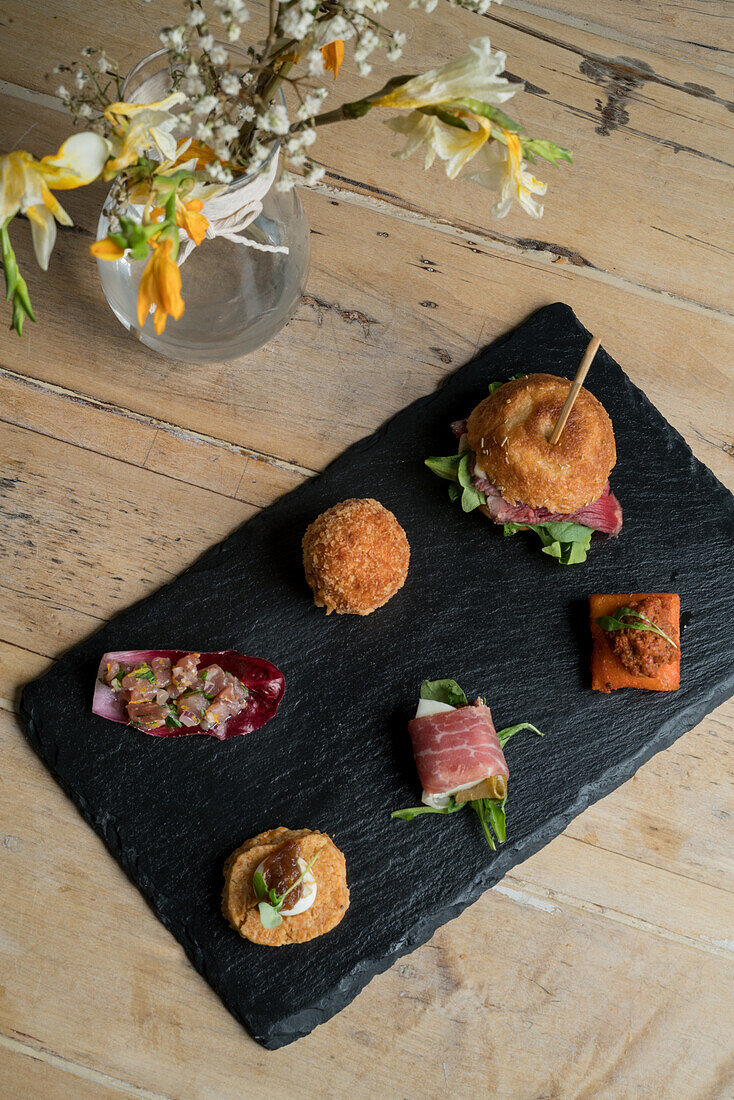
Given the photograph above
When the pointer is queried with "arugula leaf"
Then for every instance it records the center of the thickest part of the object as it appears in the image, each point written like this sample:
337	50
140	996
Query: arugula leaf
510	731
471	497
494	386
532	147
416	811
480	810
444	691
639	622
497	818
269	916
562	539
445	467
258	885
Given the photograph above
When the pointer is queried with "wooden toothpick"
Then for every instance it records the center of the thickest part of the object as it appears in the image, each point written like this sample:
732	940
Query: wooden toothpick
575	388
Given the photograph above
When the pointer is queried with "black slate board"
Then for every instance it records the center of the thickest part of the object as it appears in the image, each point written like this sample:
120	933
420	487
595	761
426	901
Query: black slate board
494	613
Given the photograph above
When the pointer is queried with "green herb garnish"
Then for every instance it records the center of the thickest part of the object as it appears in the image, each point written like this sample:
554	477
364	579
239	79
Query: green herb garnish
269	902
637	621
563	540
443	691
146	673
173	721
116	683
490	811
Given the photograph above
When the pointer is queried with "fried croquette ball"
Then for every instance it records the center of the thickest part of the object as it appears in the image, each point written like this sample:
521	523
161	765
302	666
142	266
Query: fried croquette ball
356	557
510	430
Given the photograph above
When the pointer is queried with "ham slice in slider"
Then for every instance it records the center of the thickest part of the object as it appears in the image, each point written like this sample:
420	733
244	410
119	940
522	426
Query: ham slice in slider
456	750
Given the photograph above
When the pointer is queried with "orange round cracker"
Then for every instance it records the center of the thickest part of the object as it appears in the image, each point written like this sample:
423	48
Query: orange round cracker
239	903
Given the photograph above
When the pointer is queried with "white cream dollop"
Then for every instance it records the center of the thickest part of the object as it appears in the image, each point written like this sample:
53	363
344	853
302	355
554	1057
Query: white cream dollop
308	896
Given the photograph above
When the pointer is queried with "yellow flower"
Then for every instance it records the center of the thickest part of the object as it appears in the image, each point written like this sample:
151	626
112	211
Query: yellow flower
474	75
333	55
160	286
26	185
454	145
141	127
505	171
107	249
190	218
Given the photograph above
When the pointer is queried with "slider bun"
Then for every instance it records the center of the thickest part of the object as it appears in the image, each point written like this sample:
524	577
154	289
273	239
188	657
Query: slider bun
509	433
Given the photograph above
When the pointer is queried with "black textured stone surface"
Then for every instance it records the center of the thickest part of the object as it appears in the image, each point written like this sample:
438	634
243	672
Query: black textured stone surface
494	613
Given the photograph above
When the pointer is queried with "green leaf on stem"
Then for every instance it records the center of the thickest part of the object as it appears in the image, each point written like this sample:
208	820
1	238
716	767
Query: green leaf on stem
626	618
510	731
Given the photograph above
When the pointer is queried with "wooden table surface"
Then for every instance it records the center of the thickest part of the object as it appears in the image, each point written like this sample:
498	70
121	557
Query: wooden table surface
601	967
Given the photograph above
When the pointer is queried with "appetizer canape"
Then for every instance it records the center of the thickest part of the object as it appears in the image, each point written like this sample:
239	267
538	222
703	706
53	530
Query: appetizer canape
355	557
459	757
508	469
285	886
172	692
636	641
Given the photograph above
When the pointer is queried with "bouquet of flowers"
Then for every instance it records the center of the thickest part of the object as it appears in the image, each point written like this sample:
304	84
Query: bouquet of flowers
222	121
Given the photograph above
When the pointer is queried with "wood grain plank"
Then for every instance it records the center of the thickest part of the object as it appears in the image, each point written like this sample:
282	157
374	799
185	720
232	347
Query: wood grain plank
695	32
142	441
17	667
634	123
26	1073
383	322
516	964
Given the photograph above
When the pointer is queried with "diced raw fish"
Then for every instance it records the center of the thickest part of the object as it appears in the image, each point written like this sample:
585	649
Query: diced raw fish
185	672
230	701
193	701
136	675
161	667
215	678
147	715
113	667
142	691
187	717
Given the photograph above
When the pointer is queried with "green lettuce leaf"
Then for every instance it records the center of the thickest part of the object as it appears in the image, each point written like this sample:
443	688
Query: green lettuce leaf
563	540
444	691
510	731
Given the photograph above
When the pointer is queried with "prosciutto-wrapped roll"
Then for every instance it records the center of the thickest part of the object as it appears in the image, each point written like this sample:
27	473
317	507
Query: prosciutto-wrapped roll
455	750
459	757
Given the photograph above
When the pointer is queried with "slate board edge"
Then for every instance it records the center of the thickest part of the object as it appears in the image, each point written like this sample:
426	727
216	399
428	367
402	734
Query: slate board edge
304	1021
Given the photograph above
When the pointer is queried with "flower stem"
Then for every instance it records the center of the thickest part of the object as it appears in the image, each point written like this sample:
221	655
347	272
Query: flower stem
14	281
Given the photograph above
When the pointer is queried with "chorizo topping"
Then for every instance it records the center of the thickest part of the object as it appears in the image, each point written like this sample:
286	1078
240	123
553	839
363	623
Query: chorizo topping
638	635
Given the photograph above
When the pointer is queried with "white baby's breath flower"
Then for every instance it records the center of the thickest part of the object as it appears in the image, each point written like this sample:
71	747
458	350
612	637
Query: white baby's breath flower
286	182
399	38
103	64
315	173
314	63
363	68
228	132
274	119
205	105
80	79
233	32
204	131
193	86
63	93
246	113
87	51
393	52
311	105
425	5
206	41
85	110
173	37
195	17
230	83
218	55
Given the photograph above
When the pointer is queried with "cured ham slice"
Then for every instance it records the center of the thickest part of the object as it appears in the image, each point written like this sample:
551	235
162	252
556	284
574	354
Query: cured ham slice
603	514
456	748
245	691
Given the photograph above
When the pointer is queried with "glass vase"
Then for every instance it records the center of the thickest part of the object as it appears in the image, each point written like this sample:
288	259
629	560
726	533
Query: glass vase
236	297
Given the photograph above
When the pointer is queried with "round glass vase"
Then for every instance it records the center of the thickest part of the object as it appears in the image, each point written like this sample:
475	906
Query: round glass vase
236	297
